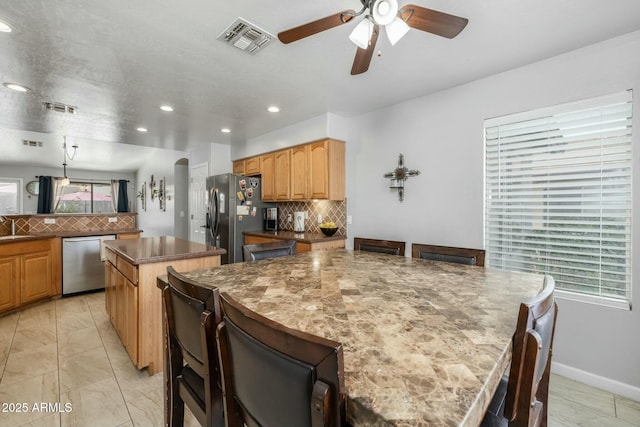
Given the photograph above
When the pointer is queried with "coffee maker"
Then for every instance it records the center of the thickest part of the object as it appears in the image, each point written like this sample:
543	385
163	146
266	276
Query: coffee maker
270	219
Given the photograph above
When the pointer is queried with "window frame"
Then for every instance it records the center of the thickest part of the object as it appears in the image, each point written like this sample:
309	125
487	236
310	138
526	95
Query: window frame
19	194
623	302
91	185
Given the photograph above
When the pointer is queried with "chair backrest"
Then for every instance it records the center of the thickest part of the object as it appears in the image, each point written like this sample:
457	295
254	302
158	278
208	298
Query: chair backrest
193	314
268	250
448	254
274	376
528	387
383	246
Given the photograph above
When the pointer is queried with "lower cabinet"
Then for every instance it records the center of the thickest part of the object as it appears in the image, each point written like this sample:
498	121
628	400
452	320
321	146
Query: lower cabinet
300	246
121	299
27	272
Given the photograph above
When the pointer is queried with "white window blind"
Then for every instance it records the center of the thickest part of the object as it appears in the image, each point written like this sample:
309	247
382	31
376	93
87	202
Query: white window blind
558	194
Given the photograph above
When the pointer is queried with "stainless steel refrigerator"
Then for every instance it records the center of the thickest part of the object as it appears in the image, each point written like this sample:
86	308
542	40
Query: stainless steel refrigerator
234	206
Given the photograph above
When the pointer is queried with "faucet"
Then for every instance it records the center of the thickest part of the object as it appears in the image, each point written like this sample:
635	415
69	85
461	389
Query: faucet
13	224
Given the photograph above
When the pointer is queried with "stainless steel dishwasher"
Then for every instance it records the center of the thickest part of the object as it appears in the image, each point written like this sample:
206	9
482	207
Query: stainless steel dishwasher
82	268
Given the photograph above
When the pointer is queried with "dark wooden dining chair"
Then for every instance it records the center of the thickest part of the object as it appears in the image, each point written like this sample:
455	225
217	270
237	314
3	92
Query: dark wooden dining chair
522	399
192	314
383	246
268	250
448	254
274	376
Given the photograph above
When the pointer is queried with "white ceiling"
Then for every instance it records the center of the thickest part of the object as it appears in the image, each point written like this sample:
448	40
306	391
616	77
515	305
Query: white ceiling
118	60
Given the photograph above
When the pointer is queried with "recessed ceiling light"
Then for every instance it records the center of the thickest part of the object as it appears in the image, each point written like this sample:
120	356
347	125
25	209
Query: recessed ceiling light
4	27
141	129
16	87
225	130
273	109
167	108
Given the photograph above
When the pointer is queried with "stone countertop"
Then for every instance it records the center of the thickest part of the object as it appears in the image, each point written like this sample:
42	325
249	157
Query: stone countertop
425	342
23	238
160	249
291	235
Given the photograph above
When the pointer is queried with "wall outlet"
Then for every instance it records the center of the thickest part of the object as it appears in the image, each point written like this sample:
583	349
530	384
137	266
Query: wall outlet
319	219
289	219
49	220
349	219
113	219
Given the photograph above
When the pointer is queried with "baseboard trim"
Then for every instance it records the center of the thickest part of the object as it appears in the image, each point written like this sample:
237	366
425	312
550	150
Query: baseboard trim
607	384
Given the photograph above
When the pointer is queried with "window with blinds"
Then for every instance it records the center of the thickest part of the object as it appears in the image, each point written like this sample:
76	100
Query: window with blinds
558	194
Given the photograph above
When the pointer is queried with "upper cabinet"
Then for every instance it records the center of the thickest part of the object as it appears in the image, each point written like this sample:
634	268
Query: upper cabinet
267	167
315	170
326	170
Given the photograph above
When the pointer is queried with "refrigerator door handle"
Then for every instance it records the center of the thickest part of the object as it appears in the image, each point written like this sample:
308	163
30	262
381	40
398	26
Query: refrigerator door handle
216	215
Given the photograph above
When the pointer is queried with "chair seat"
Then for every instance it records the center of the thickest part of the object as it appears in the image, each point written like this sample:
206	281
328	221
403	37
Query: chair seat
497	402
493	420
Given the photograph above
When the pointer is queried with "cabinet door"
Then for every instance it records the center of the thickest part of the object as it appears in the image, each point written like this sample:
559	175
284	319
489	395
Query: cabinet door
238	167
299	172
253	166
267	167
282	170
10	273
120	309
131	319
35	276
319	170
110	282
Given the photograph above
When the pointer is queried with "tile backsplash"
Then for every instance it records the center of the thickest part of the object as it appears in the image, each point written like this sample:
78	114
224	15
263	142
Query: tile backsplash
26	224
335	211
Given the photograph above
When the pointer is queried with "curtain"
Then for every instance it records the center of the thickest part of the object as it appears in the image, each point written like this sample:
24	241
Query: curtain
45	195
123	199
115	187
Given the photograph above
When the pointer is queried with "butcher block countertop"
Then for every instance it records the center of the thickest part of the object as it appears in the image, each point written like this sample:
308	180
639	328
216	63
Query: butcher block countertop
291	235
160	249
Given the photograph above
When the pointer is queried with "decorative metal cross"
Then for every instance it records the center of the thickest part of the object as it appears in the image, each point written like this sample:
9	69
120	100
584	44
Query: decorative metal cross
399	176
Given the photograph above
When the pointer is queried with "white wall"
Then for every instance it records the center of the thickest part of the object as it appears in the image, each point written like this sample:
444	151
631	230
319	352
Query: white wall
159	163
442	136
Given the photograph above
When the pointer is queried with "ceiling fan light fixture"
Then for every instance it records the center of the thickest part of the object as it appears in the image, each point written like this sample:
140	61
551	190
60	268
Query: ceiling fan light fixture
385	11
396	30
361	34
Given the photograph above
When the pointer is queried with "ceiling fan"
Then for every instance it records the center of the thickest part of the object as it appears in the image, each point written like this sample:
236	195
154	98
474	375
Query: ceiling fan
380	12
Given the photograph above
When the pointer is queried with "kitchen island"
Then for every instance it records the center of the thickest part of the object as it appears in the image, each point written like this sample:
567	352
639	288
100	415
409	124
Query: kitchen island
133	302
425	342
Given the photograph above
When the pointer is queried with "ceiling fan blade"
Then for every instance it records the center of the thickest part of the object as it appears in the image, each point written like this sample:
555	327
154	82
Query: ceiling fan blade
363	56
306	30
433	21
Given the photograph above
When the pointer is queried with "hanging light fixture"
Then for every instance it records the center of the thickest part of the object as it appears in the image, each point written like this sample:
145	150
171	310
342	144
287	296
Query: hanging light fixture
361	34
65	179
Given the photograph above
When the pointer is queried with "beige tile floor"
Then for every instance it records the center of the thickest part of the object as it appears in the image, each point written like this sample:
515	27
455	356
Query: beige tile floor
66	352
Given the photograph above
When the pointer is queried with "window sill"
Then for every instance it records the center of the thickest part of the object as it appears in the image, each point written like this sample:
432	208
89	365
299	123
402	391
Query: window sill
593	299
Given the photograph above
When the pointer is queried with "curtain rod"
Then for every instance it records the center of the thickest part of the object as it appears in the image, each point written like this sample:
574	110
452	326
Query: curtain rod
89	180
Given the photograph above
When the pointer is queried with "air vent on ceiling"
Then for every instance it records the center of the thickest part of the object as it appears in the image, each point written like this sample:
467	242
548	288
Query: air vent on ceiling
60	107
246	36
31	143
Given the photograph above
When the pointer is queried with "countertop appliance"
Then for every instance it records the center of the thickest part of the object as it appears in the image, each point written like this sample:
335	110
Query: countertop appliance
82	268
298	222
270	216
234	205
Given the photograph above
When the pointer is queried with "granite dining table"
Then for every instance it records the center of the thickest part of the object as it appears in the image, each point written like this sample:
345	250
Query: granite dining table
425	342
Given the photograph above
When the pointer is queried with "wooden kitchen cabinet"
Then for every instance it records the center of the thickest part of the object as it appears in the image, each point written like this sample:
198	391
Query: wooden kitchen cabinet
253	166
239	167
300	246
327	170
27	272
299	176
267	167
10	273
35	281
282	176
